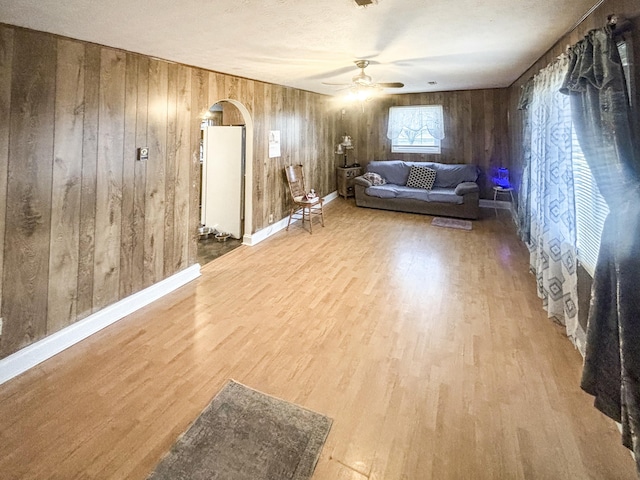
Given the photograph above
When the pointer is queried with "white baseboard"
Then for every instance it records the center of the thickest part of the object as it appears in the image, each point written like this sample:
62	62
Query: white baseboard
265	233
331	197
274	228
38	352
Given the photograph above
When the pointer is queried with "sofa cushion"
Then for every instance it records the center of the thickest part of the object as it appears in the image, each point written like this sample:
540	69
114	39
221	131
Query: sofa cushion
421	177
443	195
374	178
393	171
382	191
450	175
413	193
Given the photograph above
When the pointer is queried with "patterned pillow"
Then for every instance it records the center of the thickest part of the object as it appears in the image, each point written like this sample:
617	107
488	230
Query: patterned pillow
421	177
374	178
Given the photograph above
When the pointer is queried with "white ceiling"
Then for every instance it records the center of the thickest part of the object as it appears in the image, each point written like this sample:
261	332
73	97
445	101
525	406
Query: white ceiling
460	44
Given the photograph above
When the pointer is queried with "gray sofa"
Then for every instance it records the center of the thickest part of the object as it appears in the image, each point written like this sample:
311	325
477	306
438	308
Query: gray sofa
455	192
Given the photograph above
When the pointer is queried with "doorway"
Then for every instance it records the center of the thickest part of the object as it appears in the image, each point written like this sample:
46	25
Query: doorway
225	181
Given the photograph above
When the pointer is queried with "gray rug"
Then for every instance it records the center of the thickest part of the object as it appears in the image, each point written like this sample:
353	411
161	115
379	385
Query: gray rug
451	223
246	435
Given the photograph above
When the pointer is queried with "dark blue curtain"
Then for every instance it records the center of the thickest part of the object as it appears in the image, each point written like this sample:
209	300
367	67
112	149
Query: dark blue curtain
602	118
524	192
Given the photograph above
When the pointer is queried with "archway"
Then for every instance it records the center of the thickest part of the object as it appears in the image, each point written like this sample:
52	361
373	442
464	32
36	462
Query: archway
235	114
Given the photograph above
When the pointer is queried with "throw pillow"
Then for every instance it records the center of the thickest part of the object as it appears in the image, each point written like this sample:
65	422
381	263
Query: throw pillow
374	178
421	177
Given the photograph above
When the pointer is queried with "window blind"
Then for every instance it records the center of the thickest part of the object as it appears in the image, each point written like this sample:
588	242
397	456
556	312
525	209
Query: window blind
624	48
591	209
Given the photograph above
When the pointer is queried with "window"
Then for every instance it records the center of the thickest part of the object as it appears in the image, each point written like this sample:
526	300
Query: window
416	129
591	209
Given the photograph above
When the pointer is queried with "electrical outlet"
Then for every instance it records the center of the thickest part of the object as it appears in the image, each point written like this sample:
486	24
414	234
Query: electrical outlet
143	154
271	218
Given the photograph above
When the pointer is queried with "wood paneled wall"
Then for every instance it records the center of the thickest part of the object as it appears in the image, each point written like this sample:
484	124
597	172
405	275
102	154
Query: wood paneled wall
475	129
83	223
629	9
231	115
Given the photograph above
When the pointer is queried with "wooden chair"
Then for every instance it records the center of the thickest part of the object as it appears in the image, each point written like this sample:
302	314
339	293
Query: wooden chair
303	207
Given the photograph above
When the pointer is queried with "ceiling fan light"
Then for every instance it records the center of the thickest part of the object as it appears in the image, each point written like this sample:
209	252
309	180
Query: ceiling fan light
360	94
362	79
363	88
363	95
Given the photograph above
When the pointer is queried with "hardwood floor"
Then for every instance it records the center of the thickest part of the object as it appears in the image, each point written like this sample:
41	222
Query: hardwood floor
427	346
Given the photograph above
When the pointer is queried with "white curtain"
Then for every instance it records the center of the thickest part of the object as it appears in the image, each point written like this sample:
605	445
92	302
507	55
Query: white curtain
552	221
414	120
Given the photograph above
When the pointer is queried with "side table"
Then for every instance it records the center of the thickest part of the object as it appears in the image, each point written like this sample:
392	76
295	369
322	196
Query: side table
497	190
344	179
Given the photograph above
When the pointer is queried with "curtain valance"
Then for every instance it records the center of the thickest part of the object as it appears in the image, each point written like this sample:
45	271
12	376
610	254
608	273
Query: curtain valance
414	120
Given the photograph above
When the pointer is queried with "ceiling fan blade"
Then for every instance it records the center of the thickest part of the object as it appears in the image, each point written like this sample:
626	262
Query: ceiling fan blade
362	81
331	74
390	84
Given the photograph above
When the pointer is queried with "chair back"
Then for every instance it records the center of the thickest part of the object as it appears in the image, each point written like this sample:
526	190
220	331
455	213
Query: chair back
295	177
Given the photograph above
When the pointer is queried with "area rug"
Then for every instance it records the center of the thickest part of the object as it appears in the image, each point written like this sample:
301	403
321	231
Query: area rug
246	435
451	223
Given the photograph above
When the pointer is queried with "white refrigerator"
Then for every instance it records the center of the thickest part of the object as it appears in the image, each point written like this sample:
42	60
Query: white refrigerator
223	179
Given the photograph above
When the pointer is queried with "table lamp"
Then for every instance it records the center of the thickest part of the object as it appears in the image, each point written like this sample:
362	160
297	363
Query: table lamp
343	147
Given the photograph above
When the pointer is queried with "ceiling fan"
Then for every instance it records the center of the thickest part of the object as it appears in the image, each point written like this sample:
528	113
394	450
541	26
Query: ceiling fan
362	80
